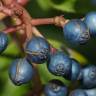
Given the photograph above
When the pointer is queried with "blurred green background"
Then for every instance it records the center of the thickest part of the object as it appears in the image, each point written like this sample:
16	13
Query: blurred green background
85	54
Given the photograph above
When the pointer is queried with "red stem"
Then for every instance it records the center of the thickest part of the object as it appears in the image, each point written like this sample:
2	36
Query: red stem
31	30
13	29
36	22
9	30
58	21
44	21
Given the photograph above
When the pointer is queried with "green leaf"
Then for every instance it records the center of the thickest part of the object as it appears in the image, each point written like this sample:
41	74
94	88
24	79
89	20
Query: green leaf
76	55
12	49
46	76
54	36
44	4
2	26
11	52
73	6
11	90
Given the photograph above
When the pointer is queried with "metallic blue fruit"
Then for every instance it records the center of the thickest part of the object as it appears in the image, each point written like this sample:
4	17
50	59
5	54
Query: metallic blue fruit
60	65
91	92
78	92
21	72
3	41
37	50
76	69
90	21
76	32
83	92
89	77
55	88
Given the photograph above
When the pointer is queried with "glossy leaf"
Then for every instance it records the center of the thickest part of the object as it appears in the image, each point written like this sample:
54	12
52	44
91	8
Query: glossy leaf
73	6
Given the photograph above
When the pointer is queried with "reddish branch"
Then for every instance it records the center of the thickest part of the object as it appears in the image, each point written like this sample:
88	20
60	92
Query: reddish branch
14	8
36	22
23	15
58	21
13	29
17	10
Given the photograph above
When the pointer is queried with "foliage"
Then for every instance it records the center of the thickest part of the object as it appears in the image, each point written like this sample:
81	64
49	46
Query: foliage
48	8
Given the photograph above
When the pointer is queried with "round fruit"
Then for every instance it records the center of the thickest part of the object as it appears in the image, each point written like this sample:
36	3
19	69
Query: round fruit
91	92
21	71
3	41
76	69
60	64
55	88
37	50
89	77
76	32
78	92
90	21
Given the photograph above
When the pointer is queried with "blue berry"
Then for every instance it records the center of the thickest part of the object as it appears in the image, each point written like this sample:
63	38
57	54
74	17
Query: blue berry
21	71
60	64
55	88
76	69
89	77
76	32
78	92
90	21
3	41
37	50
91	92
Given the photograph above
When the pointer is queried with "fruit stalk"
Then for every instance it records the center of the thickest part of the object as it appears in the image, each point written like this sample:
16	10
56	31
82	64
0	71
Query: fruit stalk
26	19
58	21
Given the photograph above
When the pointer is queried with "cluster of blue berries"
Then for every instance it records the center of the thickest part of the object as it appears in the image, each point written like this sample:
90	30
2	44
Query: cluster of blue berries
39	51
78	31
61	65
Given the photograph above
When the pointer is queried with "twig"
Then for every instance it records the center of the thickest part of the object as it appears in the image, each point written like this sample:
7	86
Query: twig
17	10
58	21
13	29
